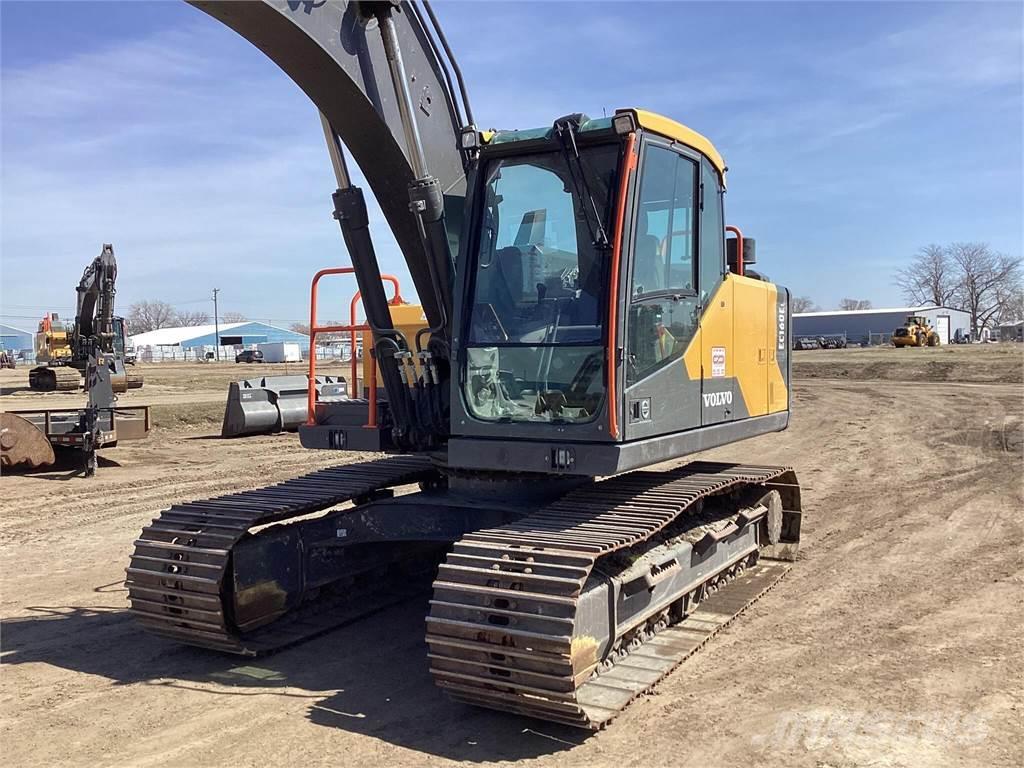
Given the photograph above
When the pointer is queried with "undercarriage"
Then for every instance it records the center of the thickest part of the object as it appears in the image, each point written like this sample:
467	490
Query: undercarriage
562	602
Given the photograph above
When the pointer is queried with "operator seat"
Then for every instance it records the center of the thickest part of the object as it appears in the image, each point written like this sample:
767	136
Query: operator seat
507	284
647	275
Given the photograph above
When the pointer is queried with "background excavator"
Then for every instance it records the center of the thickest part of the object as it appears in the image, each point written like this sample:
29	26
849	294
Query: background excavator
586	319
28	436
64	353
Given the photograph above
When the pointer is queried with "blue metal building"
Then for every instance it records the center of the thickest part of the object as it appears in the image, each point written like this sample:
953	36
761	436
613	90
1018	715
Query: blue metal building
16	340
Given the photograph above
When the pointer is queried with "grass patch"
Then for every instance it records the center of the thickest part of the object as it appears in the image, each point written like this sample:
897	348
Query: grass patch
187	416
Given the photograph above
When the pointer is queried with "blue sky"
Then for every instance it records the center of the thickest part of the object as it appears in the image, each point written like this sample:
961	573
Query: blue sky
854	133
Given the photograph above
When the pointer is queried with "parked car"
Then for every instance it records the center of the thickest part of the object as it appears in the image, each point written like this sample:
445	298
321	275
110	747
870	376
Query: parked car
249	356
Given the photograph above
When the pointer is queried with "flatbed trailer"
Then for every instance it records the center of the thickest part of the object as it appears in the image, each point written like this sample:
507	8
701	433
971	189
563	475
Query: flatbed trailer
62	426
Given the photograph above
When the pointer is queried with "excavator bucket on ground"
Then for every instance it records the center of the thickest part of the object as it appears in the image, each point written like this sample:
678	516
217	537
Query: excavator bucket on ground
121	379
274	403
22	443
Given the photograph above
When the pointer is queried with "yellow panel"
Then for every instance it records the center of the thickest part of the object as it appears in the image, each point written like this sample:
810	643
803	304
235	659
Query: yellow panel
741	316
679	132
407	318
715	331
750	341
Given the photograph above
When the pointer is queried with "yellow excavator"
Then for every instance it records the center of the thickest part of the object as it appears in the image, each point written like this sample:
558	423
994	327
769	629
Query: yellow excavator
53	355
587	319
915	332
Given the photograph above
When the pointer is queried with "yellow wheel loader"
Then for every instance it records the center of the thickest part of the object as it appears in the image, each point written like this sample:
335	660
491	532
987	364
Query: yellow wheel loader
915	332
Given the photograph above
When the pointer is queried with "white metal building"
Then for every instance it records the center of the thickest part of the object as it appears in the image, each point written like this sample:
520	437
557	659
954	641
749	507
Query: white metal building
191	342
866	326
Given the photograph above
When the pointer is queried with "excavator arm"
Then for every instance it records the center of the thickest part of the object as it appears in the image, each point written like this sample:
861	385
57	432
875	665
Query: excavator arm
388	89
94	317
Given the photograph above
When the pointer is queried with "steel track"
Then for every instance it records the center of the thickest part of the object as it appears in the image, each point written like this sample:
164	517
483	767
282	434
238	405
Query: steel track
503	630
180	581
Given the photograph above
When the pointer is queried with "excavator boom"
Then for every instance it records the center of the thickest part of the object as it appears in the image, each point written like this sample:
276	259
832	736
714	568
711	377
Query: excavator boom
94	319
336	54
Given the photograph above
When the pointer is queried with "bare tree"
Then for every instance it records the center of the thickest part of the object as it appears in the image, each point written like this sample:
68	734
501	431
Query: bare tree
987	281
324	337
191	318
233	317
930	278
803	304
1012	304
150	315
852	304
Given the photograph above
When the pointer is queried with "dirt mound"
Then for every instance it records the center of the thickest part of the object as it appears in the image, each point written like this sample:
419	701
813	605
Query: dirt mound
981	363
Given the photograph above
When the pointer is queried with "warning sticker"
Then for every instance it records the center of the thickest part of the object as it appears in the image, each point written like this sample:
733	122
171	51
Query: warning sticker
718	362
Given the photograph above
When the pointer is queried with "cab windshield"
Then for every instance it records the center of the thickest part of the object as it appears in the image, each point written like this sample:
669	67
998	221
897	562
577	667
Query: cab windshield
538	296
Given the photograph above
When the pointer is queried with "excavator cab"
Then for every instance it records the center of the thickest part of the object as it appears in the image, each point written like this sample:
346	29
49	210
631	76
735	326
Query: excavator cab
599	321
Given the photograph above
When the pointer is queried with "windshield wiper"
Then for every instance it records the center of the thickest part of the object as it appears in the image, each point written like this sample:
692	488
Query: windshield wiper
565	129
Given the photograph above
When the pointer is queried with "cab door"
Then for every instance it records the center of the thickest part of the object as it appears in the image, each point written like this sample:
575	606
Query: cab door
662	321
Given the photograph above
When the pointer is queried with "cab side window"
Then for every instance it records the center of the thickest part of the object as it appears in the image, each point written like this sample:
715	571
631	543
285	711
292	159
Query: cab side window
664	252
712	232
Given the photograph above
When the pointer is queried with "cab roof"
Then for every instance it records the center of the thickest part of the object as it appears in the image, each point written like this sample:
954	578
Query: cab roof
670	129
650	121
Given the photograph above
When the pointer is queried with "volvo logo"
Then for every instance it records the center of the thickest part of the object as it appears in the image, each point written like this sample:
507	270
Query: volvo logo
713	399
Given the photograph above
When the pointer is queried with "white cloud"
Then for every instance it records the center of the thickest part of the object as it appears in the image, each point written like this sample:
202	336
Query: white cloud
192	153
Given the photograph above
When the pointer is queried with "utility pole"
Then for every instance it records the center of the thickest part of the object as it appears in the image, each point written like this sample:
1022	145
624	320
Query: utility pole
216	323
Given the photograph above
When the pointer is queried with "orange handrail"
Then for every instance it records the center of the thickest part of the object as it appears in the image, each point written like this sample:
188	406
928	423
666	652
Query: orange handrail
351	328
739	247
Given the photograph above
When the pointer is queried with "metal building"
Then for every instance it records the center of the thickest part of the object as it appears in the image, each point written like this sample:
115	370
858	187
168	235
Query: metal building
16	340
190	342
1011	331
875	326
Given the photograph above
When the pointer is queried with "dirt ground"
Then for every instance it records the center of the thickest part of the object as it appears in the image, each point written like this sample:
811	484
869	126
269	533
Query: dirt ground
895	641
982	363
